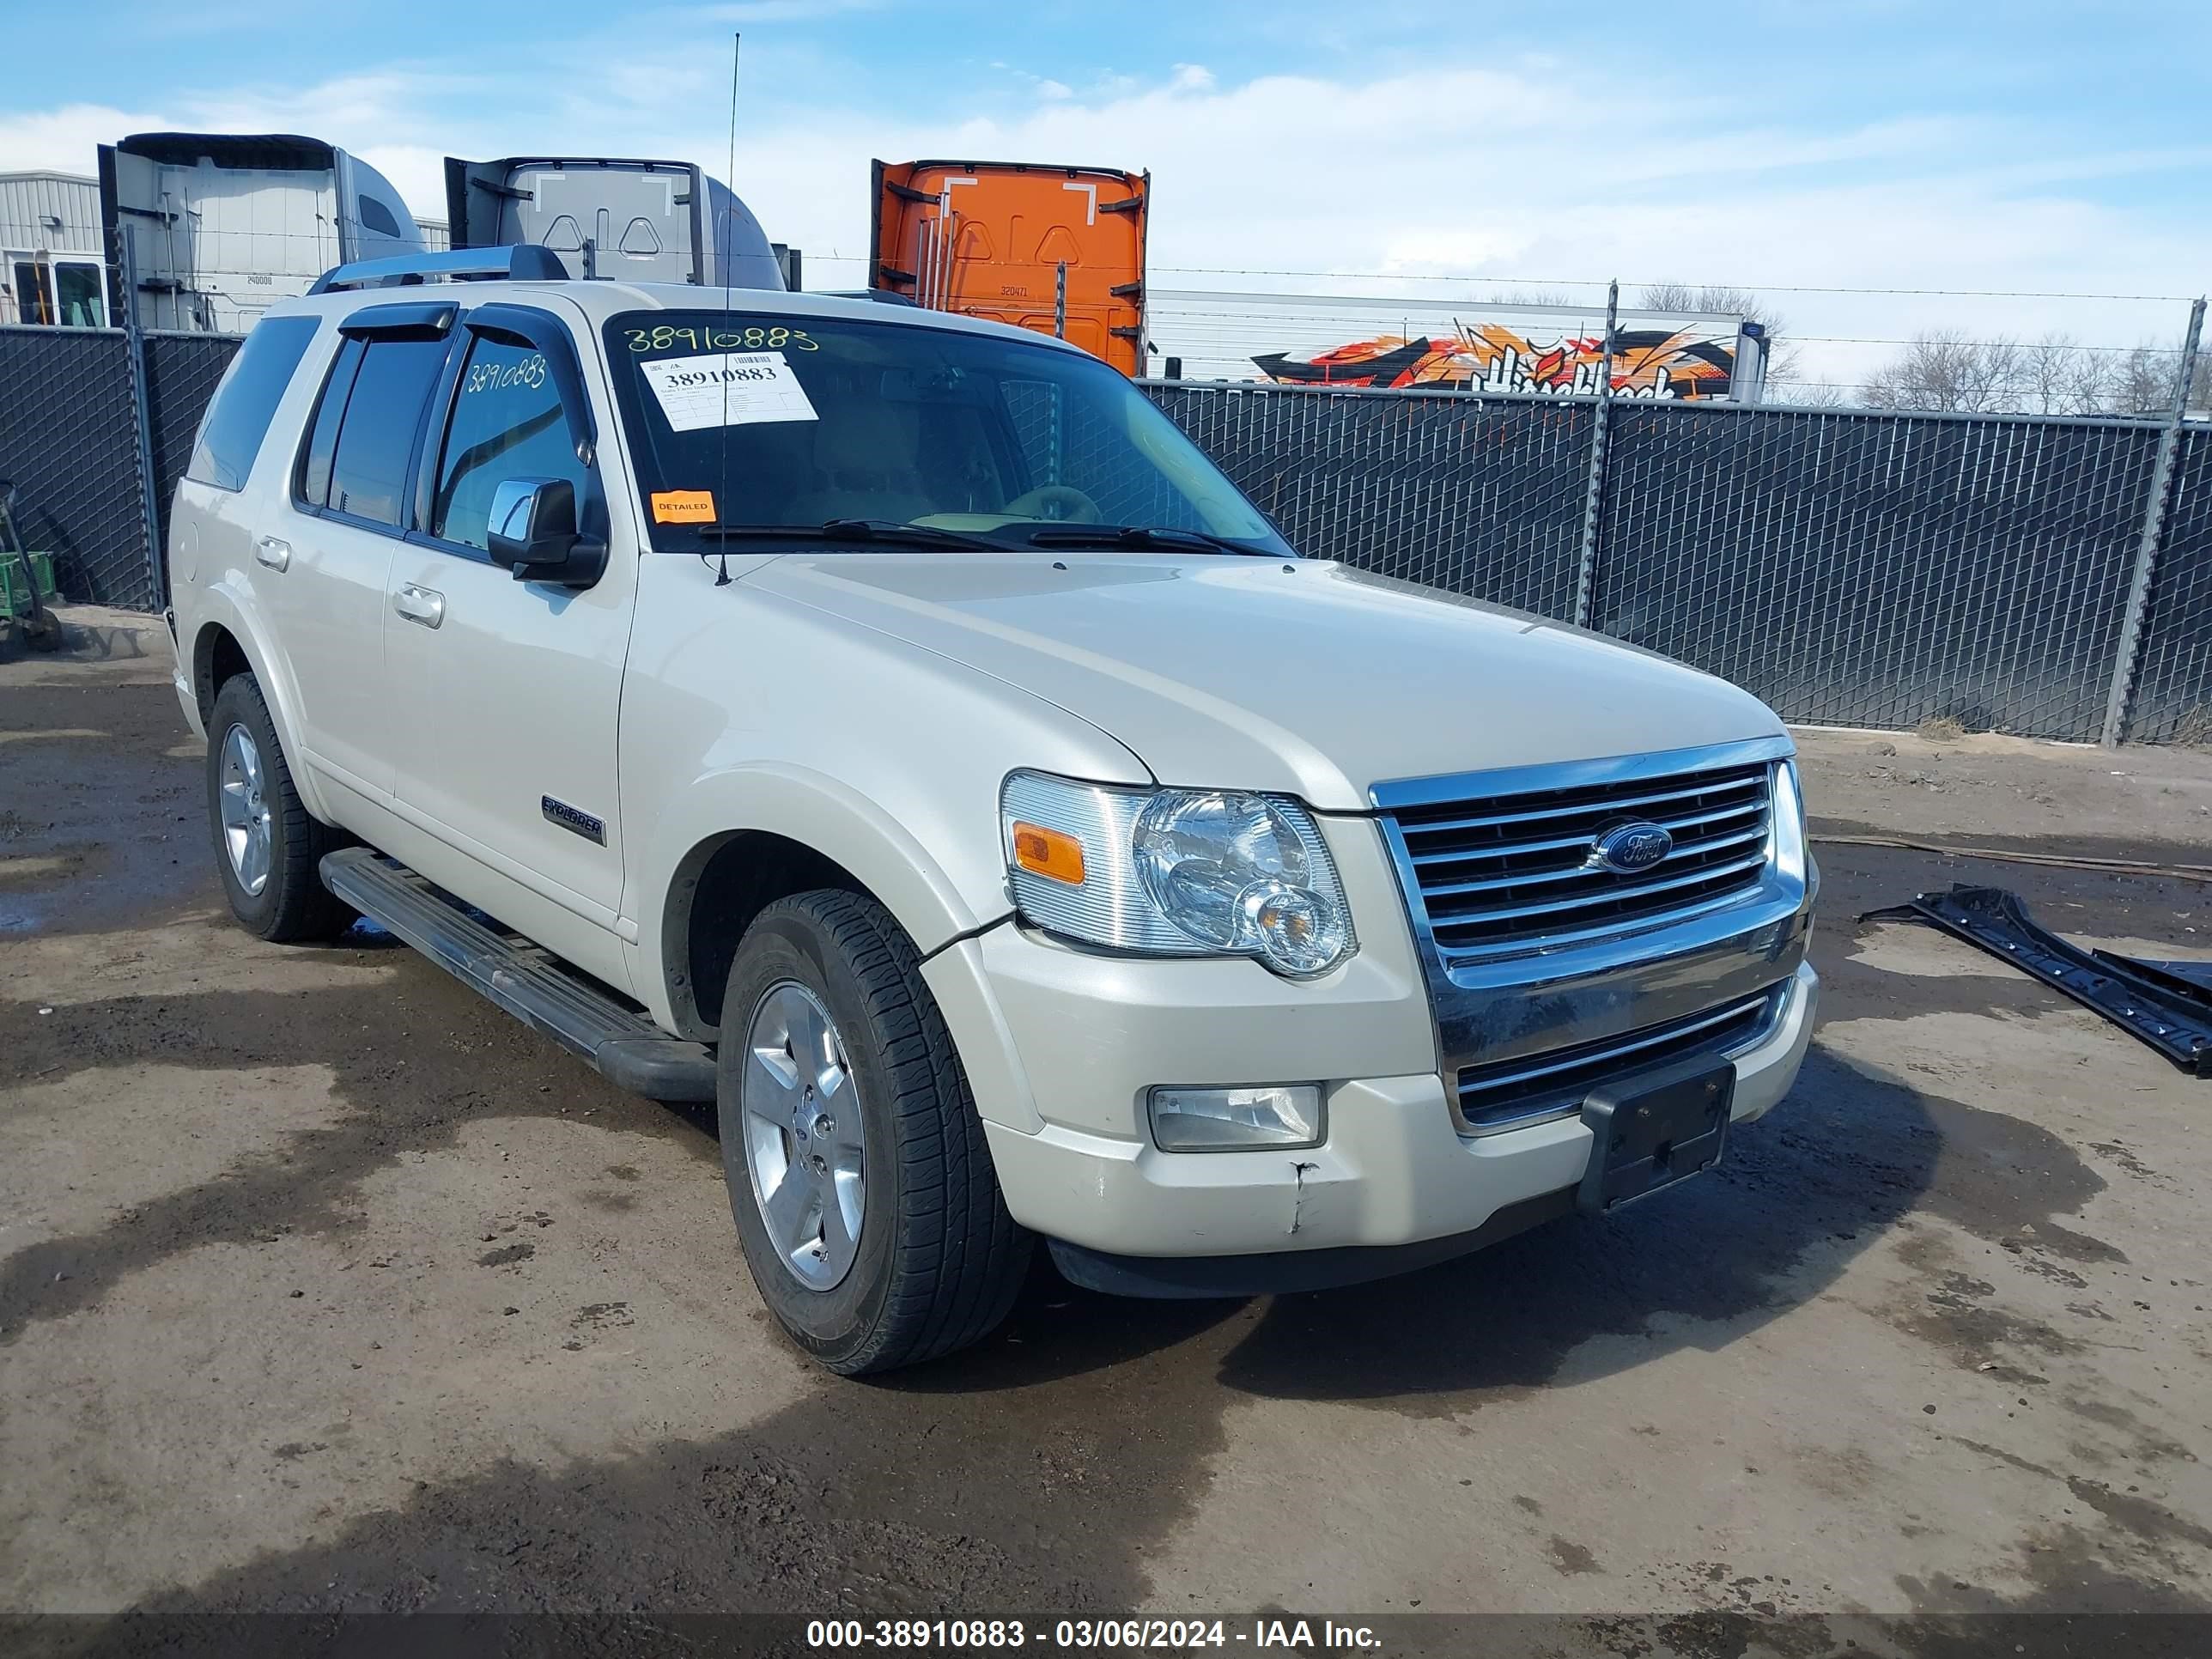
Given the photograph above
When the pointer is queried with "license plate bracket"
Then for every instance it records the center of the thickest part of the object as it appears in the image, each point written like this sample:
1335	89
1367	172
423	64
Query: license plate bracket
1653	1130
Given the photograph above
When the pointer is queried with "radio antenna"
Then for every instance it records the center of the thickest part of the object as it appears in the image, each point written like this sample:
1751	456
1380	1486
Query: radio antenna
723	239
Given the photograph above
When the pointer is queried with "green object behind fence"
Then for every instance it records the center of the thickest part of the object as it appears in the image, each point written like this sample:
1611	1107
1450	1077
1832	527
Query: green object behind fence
15	600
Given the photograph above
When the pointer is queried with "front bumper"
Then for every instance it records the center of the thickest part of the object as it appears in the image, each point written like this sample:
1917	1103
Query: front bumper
1393	1173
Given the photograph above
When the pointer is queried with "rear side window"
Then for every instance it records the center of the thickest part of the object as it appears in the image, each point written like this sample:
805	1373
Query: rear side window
508	424
238	418
314	481
376	435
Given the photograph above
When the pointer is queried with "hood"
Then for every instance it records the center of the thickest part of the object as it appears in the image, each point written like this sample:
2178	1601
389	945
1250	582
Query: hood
1307	679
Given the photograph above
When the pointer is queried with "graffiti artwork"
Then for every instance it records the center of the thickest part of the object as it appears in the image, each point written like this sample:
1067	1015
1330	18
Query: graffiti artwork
1676	364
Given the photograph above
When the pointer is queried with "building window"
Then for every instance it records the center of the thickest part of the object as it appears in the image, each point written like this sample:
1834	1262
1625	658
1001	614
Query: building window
64	293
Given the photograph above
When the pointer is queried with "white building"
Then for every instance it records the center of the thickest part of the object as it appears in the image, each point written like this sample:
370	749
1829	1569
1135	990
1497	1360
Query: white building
51	269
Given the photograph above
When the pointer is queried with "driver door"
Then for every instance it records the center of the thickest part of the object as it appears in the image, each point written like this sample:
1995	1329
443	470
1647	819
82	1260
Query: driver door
513	689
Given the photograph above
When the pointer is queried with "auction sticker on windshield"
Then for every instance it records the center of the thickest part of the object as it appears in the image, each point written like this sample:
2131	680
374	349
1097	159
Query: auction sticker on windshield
727	388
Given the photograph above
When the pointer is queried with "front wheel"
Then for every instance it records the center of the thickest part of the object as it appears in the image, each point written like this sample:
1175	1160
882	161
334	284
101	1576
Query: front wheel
863	1192
266	845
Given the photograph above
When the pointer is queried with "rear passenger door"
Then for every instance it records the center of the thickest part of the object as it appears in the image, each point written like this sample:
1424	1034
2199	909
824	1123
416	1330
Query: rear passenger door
328	567
510	690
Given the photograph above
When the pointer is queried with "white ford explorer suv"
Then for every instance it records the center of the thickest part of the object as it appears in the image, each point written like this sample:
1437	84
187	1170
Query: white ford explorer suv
890	726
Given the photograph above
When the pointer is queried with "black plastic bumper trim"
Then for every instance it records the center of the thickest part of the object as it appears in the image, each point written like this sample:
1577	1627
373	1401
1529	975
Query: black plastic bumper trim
1279	1273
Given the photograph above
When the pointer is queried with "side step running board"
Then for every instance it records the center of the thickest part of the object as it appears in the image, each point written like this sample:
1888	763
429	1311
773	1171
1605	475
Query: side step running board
628	1048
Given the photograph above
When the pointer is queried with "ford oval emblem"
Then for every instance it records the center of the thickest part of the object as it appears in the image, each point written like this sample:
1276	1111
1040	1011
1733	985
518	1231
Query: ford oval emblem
1629	847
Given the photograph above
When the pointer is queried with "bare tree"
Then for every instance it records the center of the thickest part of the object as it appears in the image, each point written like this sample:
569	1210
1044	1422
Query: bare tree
2055	375
1545	296
1728	302
1788	389
1783	383
2061	376
1947	370
2142	377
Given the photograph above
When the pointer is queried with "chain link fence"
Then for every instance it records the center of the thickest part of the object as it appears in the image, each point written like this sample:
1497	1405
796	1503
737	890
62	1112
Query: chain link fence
2173	700
1868	569
1852	567
69	443
181	373
1483	498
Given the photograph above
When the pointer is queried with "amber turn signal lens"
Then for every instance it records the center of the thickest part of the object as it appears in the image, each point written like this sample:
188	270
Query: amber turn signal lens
1048	853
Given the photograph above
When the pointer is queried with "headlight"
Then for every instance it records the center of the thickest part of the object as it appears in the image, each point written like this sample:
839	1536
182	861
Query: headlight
1175	872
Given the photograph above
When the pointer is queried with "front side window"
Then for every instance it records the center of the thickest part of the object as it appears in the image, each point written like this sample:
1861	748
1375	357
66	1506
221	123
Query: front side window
238	417
80	300
376	436
508	423
737	419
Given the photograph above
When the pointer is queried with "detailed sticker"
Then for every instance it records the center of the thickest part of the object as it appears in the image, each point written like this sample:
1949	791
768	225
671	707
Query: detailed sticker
730	388
683	506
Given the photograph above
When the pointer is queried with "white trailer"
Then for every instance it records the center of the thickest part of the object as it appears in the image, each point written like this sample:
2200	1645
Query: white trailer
635	220
224	225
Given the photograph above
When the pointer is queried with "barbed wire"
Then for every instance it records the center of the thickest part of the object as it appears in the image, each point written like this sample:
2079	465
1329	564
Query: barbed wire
1597	282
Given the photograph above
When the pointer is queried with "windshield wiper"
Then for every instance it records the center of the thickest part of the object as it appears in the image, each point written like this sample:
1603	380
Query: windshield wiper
1134	535
851	530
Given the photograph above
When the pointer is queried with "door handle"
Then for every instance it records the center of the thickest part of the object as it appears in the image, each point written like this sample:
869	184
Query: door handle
273	553
419	605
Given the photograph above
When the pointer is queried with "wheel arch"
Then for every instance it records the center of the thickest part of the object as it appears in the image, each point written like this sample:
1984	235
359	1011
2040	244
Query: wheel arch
226	641
748	838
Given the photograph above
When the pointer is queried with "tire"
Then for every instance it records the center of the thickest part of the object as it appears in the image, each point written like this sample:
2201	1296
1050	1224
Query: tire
289	903
936	1262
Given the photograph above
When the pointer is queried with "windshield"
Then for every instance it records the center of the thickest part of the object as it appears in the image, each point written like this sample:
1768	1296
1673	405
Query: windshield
745	420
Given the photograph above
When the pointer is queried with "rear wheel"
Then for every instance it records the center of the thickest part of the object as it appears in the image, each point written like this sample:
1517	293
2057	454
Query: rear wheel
266	845
861	1187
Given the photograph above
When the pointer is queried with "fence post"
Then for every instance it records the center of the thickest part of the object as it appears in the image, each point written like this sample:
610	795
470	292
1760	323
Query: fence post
134	347
1594	497
2125	662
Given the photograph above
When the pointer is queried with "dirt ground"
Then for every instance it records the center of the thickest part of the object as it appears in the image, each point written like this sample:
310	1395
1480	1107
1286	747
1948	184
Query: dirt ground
324	1285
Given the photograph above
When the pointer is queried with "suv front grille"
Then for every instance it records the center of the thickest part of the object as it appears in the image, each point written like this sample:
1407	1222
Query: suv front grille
1507	872
1512	1093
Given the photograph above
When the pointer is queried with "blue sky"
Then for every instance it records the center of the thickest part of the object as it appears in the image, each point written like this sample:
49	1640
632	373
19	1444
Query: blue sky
1773	145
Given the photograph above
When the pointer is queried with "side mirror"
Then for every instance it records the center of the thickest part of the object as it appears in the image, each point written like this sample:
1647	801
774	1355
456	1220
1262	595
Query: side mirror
533	531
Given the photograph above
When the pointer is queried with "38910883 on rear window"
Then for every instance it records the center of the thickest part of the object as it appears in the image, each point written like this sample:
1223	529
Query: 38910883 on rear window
796	422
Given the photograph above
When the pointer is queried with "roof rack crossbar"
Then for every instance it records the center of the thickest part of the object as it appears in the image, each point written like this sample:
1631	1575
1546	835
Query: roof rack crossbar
522	262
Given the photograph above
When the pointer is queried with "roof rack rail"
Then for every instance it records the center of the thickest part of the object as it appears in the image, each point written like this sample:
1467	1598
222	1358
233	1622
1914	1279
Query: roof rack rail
521	262
882	296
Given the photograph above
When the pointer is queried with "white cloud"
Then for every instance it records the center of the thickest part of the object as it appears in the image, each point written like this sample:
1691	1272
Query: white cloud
1511	172
66	140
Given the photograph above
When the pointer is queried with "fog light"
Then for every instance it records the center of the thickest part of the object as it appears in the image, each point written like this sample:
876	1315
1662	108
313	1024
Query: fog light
1235	1120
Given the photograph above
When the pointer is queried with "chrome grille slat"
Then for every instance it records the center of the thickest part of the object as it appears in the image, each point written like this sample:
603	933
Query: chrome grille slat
1515	912
1506	1096
1577	871
1611	929
1670	824
1414	827
1509	873
1634	1043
